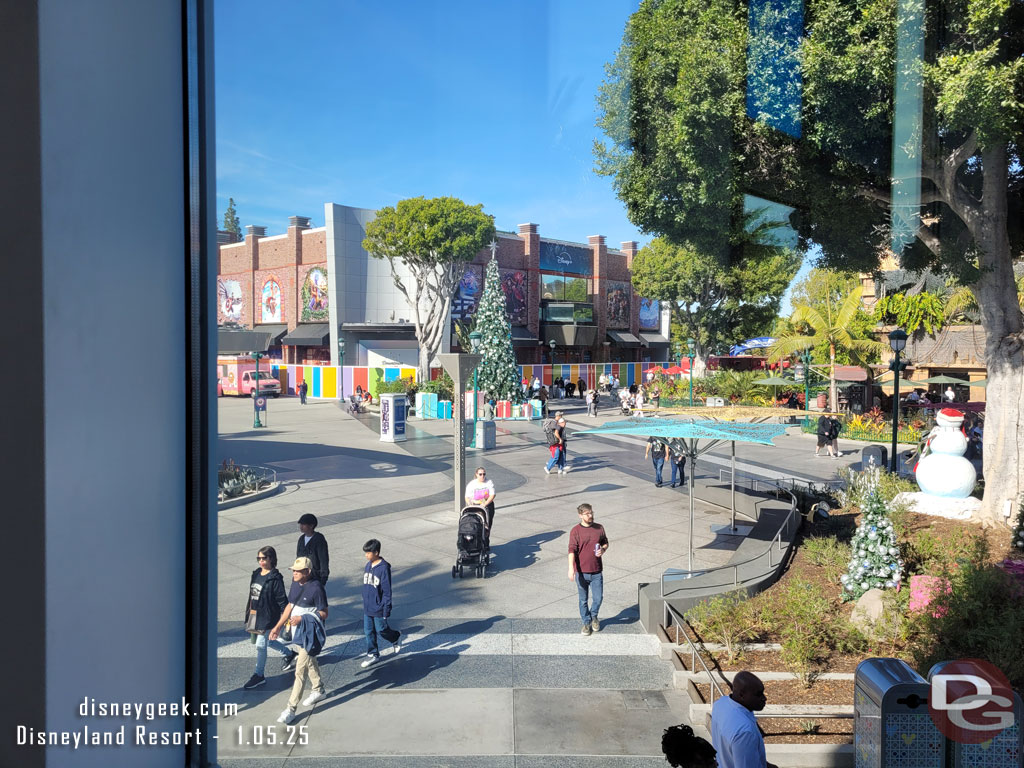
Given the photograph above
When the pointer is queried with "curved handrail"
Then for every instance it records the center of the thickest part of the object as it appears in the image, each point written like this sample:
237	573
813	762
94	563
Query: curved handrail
686	573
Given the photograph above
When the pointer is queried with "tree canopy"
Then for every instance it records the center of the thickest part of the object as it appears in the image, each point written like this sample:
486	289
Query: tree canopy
232	223
432	239
713	302
918	153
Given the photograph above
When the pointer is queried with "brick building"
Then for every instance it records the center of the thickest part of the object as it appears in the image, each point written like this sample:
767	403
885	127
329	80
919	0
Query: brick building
313	295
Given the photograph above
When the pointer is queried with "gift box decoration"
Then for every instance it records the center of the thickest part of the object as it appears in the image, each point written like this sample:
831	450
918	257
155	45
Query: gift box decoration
444	409
504	409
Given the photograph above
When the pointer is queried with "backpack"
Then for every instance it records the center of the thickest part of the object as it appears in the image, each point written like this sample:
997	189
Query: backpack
549	427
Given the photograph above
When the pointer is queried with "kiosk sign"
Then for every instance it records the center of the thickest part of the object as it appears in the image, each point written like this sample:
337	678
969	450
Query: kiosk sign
971	701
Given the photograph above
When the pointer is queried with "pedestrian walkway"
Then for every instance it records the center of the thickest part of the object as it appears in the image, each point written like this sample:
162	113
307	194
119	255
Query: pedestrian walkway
493	671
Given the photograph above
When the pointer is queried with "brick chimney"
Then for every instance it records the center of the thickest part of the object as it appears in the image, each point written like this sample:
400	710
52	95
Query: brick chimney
253	233
600	296
531	241
300	222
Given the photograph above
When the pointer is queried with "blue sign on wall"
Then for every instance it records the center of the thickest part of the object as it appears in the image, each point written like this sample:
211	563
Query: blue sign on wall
573	259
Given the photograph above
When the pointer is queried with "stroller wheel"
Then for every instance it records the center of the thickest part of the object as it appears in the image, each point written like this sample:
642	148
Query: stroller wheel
460	571
455	570
479	571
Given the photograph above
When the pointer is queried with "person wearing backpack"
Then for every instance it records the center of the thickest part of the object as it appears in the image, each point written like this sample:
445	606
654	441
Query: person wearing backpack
556	444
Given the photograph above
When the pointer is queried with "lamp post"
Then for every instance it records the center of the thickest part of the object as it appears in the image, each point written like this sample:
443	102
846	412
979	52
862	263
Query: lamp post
256	423
691	353
552	344
897	341
806	358
474	343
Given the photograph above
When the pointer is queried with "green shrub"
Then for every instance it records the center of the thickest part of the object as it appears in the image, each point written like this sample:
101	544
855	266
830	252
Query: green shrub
802	620
398	386
726	619
859	484
981	618
443	387
829	553
927	553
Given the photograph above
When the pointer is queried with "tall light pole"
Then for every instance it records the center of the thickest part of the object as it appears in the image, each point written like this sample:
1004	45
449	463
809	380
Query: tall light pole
474	343
691	353
256	423
897	341
806	357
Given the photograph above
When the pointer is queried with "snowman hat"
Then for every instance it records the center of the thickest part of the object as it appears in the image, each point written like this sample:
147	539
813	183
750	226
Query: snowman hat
949	417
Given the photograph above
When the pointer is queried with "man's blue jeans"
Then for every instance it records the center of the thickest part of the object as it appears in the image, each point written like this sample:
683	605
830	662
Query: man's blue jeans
261	651
558	458
594	584
659	464
377	625
679	471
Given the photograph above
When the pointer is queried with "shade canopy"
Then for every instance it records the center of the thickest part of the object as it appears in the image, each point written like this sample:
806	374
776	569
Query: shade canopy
693	429
904	384
691	432
979	383
775	381
673	370
656	370
945	380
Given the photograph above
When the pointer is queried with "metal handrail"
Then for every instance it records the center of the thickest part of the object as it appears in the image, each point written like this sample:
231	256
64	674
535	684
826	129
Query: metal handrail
673	617
685	574
265	474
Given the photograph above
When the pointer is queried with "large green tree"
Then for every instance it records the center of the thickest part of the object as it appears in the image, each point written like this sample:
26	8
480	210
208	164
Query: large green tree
427	243
683	145
716	303
232	223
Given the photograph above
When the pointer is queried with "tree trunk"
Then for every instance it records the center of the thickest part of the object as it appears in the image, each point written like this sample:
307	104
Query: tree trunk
1004	354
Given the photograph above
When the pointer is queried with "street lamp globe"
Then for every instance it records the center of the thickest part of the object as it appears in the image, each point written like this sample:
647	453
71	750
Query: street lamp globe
474	341
898	340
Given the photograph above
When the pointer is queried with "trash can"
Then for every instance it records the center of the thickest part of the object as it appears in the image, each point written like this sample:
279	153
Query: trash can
485	435
892	727
392	417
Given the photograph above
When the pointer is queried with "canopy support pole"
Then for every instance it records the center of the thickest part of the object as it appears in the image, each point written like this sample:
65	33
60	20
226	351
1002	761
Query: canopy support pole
693	471
732	483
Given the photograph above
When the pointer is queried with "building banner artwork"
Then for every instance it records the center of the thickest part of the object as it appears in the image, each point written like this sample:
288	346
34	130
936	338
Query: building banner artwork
513	283
270	302
229	300
618	304
650	314
314	295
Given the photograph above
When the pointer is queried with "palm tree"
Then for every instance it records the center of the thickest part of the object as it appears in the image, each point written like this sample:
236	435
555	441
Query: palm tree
829	325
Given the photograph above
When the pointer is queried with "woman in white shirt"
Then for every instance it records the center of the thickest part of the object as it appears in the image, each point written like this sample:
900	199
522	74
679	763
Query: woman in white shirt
480	493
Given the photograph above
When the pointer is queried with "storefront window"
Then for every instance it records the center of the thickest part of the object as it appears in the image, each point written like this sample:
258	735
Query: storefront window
564	288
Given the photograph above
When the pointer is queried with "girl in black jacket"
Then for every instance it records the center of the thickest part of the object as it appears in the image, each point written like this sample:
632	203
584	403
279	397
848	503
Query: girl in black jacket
267	600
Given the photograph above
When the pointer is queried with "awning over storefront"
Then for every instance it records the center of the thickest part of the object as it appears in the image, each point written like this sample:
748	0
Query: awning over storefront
568	334
653	339
275	331
310	335
624	338
232	341
521	337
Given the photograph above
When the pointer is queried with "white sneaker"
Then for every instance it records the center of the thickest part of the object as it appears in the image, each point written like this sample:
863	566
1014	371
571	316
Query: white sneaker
313	698
369	660
396	647
547	470
561	471
287	716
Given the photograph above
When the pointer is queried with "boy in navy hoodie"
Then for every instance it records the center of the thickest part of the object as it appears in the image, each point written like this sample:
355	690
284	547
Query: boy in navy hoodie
377	603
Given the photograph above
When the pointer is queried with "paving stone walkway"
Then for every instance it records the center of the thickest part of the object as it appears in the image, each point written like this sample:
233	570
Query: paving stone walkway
493	671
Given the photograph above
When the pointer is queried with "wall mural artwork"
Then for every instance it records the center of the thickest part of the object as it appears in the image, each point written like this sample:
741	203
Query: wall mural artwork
314	295
618	305
513	283
270	302
229	300
650	314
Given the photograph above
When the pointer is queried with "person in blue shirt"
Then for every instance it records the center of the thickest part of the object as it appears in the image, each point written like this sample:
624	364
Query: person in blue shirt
734	733
377	603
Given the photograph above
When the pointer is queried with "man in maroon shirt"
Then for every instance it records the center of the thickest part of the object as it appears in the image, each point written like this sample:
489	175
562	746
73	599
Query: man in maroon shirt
587	545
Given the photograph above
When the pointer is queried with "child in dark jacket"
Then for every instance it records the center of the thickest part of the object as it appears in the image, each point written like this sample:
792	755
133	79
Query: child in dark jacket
377	603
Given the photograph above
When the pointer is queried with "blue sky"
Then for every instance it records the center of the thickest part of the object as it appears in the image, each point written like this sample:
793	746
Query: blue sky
368	103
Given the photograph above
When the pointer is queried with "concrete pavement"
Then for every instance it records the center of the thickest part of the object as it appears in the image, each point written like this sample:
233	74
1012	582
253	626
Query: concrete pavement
494	670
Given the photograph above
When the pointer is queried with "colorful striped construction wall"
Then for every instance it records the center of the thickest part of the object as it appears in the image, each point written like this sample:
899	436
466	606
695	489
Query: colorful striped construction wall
334	382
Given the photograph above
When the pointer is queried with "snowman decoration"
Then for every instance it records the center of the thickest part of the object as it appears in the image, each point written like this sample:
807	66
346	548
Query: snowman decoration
943	471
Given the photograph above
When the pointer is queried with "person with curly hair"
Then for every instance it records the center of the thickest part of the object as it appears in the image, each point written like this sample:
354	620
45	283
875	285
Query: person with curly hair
683	749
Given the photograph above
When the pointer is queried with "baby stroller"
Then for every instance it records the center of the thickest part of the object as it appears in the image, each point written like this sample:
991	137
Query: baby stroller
473	542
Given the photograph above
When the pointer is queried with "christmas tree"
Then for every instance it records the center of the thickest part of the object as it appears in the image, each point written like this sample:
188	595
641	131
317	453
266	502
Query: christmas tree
498	374
875	560
1018	532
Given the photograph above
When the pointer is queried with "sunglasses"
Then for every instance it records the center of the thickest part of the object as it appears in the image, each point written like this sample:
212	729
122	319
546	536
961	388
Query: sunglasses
262	557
